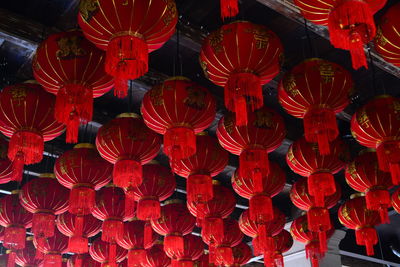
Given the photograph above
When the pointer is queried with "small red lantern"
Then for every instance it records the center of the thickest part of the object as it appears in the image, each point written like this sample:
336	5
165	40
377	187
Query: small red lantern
354	215
260	205
84	260
315	91
158	185
211	214
241	255
133	240
210	159
69	66
45	198
363	175
193	249
127	143
283	242
375	125
220	249
53	248
6	166
263	134
156	257
15	219
26	117
351	23
174	223
78	239
102	252
178	109
27	257
241	57
305	159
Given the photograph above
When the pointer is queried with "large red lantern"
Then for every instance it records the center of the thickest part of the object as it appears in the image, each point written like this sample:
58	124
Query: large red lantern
211	214
27	257
387	37
300	232
69	66
193	249
78	239
178	109
144	28
53	248
363	175
27	118
263	134
6	166
220	248
174	223
350	22
375	125
260	204
83	171
315	91
354	215
156	257
100	252
15	219
306	160
45	198
210	159
127	143
241	255
158	185
134	241
283	242
84	260
241	57
318	217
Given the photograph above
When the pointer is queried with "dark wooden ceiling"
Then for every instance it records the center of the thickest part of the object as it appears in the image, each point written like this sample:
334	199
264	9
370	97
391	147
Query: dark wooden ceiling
25	23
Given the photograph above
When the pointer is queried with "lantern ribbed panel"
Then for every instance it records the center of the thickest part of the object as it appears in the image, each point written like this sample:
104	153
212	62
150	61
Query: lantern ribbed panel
57	244
85	259
250	228
283	242
156	257
99	251
27	256
194	248
232	234
202	261
241	255
133	237
6	166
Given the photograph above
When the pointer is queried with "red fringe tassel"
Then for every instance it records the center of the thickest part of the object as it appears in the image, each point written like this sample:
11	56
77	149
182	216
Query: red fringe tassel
78	261
112	230
174	243
388	154
130	204
367	237
179	143
43	224
313	253
127	172
53	260
261	209
182	263
14	237
81	200
225	255
254	164
148	209
265	241
18	167
199	188
229	8
11	259
379	199
112	254
320	185
148	234
136	257
213	227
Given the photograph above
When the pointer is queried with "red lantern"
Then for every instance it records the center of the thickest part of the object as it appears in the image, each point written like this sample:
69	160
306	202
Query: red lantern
229	8
178	109
158	185
300	232
174	223
15	219
241	57
263	134
127	143
241	255
193	249
375	125
83	171
220	248
27	257
387	38
145	27
260	205
305	159
84	260
6	166
211	214
210	159
351	23
53	248
69	66
100	252
363	175
354	215
78	239
45	198
262	234
156	257
319	220
133	240
27	118
316	90
283	242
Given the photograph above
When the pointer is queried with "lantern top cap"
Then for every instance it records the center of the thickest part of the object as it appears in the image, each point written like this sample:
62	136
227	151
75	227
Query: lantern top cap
84	145
153	162
15	192
31	81
110	185
204	133
173	201
47	175
367	150
356	195
178	78
383	96
159	242
128	115
8	251
29	238
216	182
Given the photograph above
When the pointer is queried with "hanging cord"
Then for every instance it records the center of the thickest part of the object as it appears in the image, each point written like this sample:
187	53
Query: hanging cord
178	66
311	51
130	97
373	71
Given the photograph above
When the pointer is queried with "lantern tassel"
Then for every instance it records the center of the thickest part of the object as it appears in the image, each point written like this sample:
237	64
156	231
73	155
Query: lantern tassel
14	236
313	253
148	234
112	230
211	254
322	241
77	243
265	242
11	259
148	208
225	254
54	260
254	163
81	200
319	220
40	241
112	254
320	185
78	261
179	143
18	167
229	8
182	263
379	199
127	172
174	243
136	257
242	90
367	237
388	153
130	204
278	260
261	209
126	59
214	227
74	105
199	188
43	224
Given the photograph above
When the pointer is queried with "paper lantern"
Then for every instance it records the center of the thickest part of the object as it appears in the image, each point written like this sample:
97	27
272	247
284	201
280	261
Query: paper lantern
283	242
241	255
156	257
27	257
53	248
103	253
193	249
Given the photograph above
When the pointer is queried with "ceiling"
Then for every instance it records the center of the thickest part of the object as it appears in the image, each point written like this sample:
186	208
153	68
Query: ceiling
25	23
